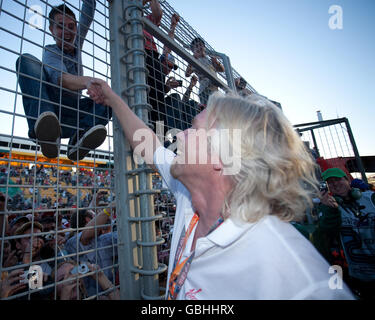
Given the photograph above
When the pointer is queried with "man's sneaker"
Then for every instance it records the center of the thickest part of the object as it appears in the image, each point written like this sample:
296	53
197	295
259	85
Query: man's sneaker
87	141
47	131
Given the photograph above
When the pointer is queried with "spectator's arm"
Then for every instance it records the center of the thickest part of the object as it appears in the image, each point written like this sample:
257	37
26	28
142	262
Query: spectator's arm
188	71
217	65
174	20
99	220
104	282
156	11
58	74
187	93
85	19
97	197
141	138
73	82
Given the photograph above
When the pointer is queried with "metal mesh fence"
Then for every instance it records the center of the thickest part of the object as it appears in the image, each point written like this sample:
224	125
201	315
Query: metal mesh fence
58	224
77	212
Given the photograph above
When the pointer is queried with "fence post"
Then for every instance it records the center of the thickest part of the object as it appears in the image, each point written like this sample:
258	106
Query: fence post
129	78
127	249
355	150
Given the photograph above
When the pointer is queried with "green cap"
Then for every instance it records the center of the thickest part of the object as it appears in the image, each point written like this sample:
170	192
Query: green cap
333	172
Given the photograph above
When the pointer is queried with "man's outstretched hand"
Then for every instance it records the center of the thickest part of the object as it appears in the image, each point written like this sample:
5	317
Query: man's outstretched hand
100	92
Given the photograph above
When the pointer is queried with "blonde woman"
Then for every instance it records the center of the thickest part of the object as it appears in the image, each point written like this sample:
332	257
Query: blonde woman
238	180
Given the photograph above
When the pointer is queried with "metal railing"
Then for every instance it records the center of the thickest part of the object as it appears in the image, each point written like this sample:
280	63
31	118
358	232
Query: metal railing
333	144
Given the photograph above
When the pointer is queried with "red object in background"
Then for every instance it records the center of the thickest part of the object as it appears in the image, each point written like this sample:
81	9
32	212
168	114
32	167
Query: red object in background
11	217
334	163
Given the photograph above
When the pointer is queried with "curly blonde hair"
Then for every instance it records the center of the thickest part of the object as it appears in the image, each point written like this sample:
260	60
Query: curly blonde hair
277	173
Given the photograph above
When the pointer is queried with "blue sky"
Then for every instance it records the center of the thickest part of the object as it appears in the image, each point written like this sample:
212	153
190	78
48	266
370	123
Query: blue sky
287	52
283	48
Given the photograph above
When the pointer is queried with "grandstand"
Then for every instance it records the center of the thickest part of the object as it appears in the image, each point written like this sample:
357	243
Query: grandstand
23	151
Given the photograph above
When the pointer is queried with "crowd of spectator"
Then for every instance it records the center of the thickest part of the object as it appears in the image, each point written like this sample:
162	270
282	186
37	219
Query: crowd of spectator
63	186
54	239
56	242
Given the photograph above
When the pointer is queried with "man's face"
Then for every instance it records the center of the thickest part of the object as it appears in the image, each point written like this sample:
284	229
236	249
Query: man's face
64	31
192	148
199	50
24	244
338	186
240	84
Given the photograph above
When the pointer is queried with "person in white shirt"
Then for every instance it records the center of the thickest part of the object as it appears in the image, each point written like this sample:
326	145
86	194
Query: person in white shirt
232	238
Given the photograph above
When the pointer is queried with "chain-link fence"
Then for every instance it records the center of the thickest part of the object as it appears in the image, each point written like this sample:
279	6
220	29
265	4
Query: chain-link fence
58	222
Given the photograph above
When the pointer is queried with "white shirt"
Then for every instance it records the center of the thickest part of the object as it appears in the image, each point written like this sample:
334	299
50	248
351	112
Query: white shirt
268	259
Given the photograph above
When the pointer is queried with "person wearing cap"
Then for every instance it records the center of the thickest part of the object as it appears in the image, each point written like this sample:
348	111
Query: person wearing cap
345	234
28	251
16	223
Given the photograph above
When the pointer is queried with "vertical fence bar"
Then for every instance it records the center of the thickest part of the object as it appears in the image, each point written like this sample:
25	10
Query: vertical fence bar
127	250
314	142
149	271
129	77
355	150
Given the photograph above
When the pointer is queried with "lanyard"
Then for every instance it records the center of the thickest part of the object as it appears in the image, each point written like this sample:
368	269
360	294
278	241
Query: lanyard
181	269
